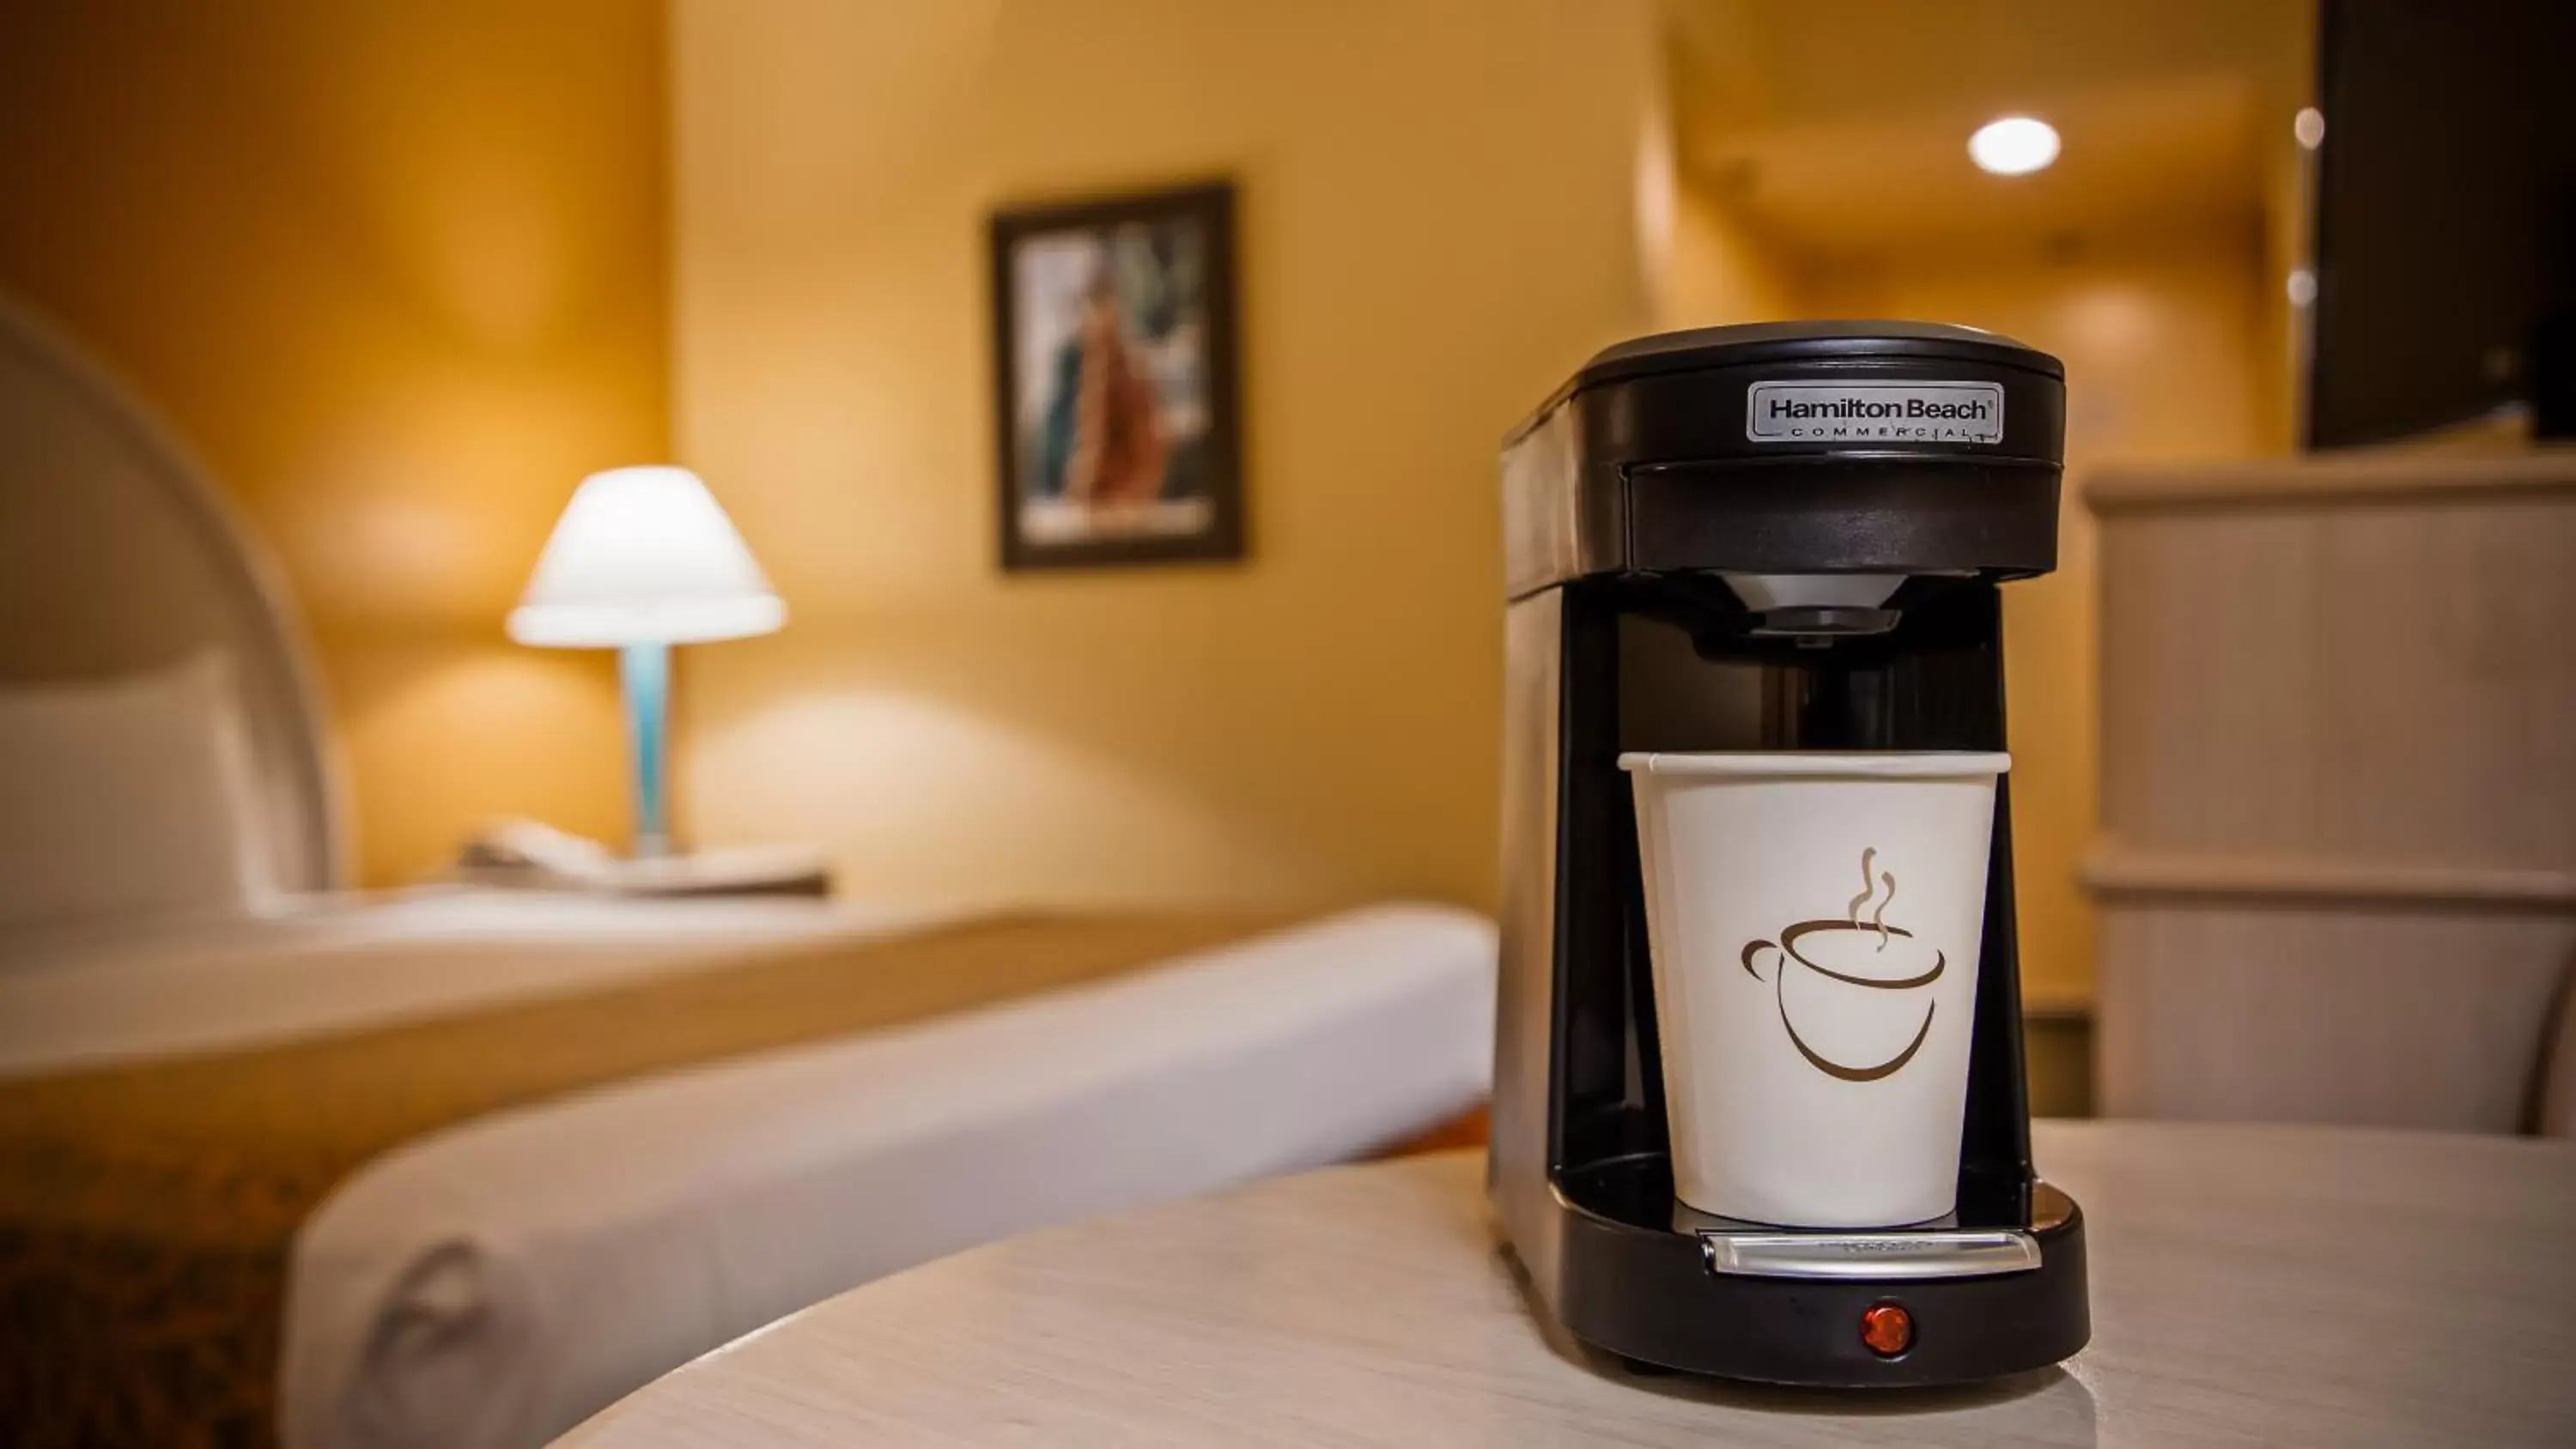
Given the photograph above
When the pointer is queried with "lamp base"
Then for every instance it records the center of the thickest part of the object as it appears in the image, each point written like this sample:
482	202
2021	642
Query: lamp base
644	672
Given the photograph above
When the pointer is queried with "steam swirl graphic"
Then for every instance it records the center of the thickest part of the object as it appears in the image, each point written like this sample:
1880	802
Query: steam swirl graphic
1878	919
1868	855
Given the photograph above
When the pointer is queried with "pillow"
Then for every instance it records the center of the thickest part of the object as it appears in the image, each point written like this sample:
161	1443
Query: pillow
131	796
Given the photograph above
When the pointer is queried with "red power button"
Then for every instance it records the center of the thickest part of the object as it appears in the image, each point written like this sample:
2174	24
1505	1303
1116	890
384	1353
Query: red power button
1887	1328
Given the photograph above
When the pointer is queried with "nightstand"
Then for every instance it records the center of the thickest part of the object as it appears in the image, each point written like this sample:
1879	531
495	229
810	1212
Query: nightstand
742	871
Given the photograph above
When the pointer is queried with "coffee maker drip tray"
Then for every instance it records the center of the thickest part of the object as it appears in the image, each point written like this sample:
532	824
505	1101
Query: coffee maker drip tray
1884	1255
1879	1257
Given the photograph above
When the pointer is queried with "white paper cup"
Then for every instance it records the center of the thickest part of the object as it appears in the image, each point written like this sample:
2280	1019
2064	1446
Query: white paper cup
1815	1064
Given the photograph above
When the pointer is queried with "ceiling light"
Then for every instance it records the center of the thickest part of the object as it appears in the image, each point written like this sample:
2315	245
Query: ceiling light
2013	145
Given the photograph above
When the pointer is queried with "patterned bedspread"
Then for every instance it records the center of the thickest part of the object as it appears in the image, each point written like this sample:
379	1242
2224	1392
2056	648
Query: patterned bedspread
148	1211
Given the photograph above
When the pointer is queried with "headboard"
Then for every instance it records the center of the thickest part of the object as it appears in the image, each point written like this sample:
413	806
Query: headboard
117	554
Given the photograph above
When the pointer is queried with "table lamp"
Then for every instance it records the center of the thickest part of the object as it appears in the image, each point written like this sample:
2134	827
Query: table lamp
642	559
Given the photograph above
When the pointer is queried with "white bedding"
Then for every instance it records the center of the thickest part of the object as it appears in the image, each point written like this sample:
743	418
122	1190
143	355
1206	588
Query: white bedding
495	1283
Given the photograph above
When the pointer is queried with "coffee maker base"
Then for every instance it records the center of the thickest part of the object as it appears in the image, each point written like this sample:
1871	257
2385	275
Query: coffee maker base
1698	1301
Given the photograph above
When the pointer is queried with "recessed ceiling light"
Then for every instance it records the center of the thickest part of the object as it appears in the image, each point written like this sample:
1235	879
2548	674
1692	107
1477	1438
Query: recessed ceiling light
2013	145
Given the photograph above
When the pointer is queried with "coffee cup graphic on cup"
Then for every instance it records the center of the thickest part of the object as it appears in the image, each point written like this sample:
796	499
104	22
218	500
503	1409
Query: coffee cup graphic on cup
1852	992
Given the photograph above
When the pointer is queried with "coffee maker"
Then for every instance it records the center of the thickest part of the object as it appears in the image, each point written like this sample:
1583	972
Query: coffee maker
1777	537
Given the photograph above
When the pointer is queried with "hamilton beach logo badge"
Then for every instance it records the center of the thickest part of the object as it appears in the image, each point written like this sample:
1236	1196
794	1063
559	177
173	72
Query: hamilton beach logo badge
1855	954
1819	411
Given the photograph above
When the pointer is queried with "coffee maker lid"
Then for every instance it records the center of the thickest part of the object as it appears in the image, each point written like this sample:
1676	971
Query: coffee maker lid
1671	389
1758	343
1792	448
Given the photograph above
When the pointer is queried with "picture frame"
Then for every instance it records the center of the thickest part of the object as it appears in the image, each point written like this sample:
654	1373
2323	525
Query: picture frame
1118	421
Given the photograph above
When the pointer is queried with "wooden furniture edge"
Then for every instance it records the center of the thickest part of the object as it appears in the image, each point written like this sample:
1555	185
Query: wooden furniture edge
2413	475
2113	871
1471	1128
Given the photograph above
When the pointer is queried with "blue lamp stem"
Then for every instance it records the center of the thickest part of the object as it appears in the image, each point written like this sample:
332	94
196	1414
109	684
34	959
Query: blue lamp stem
645	670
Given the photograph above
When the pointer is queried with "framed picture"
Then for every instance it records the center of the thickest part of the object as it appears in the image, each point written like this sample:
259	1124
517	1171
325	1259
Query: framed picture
1114	349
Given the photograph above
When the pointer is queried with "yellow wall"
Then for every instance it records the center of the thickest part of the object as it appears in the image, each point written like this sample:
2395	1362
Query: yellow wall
1718	270
2164	353
399	272
1438	223
1703	265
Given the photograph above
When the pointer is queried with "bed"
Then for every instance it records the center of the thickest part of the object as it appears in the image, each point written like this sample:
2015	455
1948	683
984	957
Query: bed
284	1163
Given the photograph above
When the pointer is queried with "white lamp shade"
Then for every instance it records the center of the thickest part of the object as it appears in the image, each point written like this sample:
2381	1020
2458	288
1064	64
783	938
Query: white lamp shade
644	556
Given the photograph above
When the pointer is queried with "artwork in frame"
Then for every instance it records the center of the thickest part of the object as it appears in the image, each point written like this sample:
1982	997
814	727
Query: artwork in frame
1115	358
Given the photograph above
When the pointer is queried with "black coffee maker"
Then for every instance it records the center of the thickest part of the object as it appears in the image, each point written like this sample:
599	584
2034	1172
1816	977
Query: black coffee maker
1775	537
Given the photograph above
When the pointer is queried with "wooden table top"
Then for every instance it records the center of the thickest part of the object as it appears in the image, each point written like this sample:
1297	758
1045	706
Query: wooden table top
2250	1285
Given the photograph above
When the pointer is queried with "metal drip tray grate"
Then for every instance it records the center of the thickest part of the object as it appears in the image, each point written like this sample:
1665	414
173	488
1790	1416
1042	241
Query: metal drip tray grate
1939	1249
1906	1254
